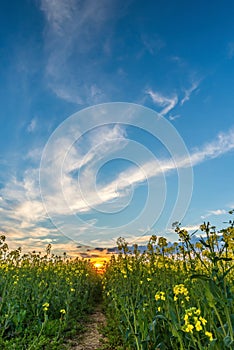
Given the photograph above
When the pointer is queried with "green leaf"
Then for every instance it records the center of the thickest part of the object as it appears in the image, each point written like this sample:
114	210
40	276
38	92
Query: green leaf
203	277
228	341
213	345
161	346
161	317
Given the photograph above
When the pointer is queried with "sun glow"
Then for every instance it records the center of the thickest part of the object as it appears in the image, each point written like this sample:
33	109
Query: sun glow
99	265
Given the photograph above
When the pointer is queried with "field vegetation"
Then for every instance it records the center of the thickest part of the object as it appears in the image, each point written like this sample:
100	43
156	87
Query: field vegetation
176	296
44	298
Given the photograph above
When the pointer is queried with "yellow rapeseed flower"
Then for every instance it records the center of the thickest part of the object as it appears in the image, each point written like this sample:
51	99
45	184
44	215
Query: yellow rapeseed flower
157	296
180	290
197	312
62	311
203	321
45	306
160	296
198	326
192	317
189	328
209	335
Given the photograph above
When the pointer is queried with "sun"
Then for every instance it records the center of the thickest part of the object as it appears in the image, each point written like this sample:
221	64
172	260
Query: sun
98	265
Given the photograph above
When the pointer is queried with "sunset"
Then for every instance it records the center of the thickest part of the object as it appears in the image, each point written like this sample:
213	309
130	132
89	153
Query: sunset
116	175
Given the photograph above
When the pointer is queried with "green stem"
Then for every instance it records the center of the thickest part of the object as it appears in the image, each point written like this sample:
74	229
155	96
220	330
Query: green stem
220	321
229	323
131	327
197	342
135	325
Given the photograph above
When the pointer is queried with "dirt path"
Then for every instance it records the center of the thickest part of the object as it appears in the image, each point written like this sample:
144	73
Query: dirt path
90	340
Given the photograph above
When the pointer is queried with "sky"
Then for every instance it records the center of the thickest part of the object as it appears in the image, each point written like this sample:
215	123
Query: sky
116	120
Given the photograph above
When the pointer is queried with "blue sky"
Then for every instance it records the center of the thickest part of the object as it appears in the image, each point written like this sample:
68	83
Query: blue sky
60	57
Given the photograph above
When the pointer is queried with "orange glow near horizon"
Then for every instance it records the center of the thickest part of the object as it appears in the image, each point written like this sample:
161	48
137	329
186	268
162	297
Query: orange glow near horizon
99	264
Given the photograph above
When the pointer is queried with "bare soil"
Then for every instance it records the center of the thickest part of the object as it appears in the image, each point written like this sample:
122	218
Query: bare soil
92	339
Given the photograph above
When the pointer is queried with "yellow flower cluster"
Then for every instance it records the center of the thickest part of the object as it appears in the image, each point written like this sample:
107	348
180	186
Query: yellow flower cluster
45	306
209	335
124	273
16	279
160	296
180	290
194	320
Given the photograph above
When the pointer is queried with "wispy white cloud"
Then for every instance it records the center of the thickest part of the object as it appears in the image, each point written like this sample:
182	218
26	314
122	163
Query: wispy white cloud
22	211
174	117
189	91
221	145
76	29
72	28
216	212
153	43
191	228
131	239
21	201
34	155
102	142
32	125
66	16
39	242
24	219
168	103
179	60
135	176
65	92
58	12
